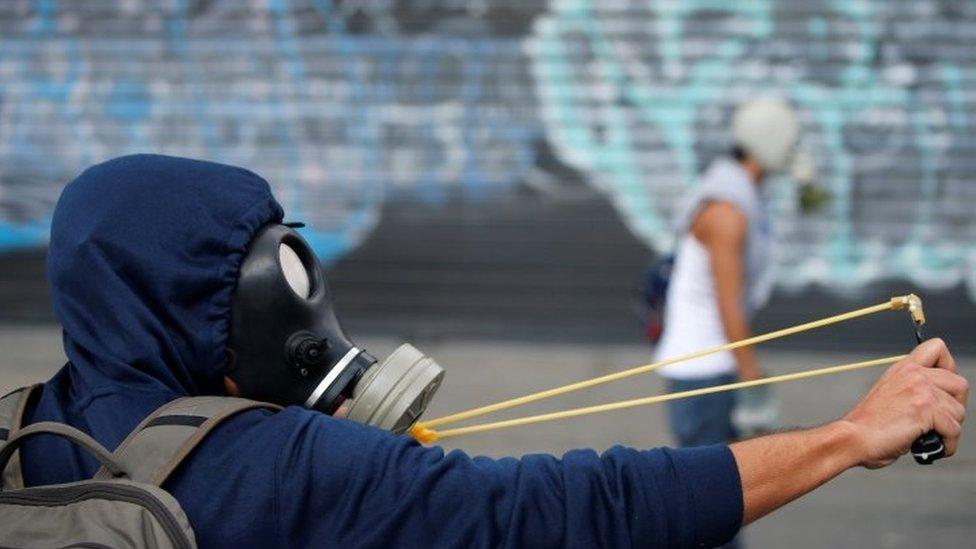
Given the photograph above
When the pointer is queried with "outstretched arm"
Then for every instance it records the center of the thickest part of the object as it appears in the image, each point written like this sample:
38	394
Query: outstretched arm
338	482
341	483
918	394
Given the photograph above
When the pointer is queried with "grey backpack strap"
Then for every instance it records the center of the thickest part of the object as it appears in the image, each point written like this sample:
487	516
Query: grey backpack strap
158	445
64	431
12	407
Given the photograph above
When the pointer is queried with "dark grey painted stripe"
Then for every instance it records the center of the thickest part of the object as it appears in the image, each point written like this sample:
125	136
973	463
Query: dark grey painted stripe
4	433
189	421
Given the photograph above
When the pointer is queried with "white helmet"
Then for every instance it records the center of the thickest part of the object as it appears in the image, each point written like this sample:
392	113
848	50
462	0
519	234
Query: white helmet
766	129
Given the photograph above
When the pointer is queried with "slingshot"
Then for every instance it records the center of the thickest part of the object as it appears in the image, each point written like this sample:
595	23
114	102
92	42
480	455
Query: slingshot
926	449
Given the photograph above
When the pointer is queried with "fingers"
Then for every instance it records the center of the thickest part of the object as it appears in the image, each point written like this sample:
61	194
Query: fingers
948	426
951	383
938	390
933	353
947	415
952	408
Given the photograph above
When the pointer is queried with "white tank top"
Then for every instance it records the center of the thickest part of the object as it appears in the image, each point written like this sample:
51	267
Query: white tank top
691	317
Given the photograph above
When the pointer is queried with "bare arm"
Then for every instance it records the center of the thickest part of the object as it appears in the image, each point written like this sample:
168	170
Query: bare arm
915	395
777	469
722	228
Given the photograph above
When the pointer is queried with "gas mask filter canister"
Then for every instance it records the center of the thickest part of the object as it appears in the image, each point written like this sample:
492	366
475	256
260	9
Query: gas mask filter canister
286	345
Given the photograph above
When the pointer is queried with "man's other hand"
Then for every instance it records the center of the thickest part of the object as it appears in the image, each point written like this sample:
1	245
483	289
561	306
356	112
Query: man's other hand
917	394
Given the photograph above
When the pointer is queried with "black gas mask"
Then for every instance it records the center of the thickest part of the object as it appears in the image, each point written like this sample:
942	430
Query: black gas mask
286	345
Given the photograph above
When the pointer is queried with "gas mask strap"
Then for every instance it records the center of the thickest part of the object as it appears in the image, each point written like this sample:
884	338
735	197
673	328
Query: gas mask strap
330	377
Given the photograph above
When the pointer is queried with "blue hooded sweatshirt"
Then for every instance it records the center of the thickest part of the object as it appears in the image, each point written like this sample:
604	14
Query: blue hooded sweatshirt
142	263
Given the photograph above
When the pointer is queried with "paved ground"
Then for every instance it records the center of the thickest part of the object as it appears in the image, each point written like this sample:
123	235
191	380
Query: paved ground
903	506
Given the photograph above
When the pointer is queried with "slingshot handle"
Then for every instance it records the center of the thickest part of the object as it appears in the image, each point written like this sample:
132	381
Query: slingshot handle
930	446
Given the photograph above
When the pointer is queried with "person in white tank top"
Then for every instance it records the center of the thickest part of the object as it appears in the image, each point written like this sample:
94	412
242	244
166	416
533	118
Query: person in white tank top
721	272
723	268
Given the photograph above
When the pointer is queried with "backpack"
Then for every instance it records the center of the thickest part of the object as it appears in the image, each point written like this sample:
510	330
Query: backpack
123	504
653	293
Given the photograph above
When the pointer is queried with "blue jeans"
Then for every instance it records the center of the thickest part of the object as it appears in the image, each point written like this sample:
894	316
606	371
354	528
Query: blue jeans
703	420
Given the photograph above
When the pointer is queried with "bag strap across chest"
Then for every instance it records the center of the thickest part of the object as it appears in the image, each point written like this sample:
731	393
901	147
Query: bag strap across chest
12	407
157	446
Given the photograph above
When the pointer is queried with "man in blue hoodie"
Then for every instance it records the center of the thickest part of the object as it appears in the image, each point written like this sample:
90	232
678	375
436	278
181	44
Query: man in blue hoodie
145	255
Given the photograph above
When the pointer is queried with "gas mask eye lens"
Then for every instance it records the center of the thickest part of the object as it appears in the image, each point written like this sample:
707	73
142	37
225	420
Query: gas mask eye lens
294	271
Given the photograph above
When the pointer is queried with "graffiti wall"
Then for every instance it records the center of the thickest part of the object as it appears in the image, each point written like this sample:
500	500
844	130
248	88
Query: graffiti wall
348	105
638	95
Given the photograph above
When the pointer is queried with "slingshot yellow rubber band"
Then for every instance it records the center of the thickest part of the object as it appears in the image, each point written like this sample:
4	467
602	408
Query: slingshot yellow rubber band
426	435
424	432
911	302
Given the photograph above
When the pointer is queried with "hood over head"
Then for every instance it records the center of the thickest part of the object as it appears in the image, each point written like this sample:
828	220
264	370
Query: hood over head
143	260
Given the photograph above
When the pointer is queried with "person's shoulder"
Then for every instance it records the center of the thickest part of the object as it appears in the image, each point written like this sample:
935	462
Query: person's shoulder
304	425
261	435
720	220
264	427
284	420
